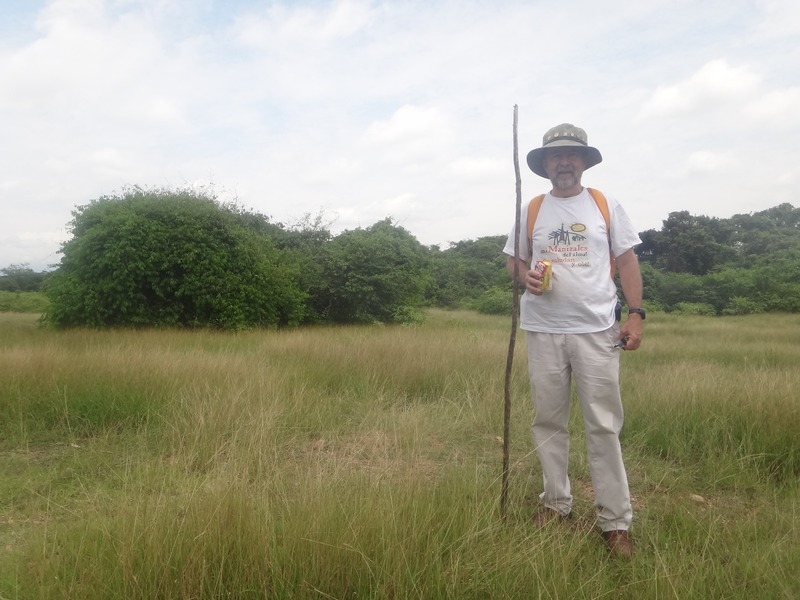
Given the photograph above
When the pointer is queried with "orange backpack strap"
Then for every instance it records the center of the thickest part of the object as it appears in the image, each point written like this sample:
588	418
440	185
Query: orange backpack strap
602	205
533	212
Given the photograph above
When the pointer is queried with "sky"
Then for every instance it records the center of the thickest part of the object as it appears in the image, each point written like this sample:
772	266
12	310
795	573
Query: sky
359	110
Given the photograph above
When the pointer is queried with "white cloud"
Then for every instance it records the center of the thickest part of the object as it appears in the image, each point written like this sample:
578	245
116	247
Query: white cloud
337	169
716	83
412	135
478	167
776	108
407	123
706	162
49	237
401	204
304	27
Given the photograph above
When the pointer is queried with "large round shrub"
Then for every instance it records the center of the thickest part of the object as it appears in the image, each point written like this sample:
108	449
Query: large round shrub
169	258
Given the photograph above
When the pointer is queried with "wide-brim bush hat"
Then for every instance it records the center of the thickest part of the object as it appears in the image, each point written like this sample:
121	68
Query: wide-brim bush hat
564	135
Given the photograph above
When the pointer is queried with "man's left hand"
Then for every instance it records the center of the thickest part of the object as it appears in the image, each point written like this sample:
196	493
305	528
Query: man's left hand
632	332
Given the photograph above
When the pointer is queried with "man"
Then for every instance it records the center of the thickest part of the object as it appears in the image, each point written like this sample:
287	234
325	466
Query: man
572	329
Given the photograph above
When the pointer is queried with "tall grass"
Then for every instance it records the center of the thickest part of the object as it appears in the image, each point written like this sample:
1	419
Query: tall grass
723	395
364	462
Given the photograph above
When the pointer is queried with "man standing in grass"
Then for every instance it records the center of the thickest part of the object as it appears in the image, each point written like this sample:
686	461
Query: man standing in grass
572	326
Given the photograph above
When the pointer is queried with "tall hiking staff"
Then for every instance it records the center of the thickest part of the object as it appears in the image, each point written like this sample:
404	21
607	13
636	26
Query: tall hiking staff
512	341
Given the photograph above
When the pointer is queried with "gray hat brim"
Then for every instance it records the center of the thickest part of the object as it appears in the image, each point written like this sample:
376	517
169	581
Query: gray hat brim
591	156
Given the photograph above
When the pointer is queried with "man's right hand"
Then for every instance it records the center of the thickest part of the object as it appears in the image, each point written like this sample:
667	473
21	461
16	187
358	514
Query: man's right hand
533	282
528	278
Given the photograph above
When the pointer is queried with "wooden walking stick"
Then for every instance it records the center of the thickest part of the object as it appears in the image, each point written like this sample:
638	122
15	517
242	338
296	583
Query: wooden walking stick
513	337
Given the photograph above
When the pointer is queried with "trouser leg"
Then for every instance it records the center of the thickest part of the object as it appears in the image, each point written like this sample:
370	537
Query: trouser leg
550	373
596	372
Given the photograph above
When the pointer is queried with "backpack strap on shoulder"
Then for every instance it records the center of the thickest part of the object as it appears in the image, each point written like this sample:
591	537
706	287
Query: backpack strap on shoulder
602	205
533	212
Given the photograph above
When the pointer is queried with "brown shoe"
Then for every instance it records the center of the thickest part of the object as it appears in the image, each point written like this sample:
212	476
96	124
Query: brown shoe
619	543
545	516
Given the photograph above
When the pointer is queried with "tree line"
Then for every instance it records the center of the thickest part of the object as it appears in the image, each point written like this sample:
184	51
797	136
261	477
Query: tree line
748	263
179	258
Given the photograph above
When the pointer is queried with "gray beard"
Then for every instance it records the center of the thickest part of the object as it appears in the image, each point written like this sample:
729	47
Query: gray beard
564	183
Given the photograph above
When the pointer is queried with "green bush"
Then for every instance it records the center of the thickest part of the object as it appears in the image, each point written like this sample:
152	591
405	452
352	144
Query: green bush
694	308
372	275
652	306
172	259
23	302
494	301
409	315
465	270
742	306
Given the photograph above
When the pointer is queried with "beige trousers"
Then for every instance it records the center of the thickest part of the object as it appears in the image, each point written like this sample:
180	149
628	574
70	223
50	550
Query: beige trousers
554	360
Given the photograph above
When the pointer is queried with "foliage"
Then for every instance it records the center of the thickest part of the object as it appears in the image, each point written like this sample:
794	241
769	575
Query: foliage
748	263
494	301
169	258
372	275
21	278
692	265
466	270
303	246
693	308
742	306
23	302
687	244
166	258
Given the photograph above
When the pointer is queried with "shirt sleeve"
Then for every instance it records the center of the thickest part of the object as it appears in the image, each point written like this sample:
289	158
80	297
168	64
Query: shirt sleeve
623	234
524	242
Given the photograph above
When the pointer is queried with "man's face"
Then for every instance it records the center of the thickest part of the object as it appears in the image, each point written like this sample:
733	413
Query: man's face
564	167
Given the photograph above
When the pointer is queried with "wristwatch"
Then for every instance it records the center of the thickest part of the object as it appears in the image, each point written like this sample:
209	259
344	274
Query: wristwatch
639	311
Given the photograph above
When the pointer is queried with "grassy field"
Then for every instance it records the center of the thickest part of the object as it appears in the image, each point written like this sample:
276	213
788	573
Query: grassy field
365	462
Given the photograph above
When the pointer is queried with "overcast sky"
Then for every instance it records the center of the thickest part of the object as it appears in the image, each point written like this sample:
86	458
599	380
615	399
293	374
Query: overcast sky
366	109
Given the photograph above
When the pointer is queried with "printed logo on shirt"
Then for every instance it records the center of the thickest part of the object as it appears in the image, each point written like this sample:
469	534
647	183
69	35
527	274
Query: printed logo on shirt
569	236
566	245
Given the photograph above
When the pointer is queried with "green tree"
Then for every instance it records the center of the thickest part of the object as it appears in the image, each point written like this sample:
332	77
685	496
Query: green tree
466	270
765	235
376	274
170	258
21	278
688	244
653	284
303	246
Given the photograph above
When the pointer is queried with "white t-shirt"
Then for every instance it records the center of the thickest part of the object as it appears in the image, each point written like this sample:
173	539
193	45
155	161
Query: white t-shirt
571	234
